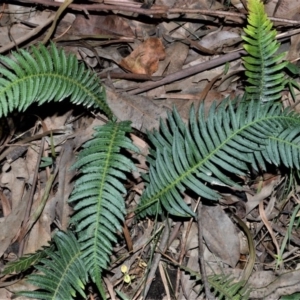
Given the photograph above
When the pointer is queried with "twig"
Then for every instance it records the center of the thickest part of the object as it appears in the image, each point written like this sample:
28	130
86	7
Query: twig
27	36
252	255
188	72
270	230
157	257
36	214
30	201
156	11
208	293
61	9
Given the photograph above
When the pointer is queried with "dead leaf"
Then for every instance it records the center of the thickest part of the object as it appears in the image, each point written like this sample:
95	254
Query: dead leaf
144	59
269	286
284	9
219	39
101	25
14	179
10	225
220	234
265	192
143	112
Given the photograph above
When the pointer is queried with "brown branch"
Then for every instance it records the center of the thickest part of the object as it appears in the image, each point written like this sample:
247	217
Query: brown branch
189	72
156	11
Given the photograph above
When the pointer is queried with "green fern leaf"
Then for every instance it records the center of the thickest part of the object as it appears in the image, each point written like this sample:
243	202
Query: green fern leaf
63	272
263	67
47	75
223	286
98	194
208	151
284	148
25	262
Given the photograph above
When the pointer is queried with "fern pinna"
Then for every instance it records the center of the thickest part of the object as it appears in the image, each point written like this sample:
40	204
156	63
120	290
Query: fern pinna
208	150
263	66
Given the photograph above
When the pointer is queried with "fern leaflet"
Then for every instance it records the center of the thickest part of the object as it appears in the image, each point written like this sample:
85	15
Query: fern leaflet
25	262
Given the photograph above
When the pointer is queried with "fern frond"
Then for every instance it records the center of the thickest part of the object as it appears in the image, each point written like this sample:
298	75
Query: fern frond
223	286
208	151
263	66
25	262
47	75
63	271
98	194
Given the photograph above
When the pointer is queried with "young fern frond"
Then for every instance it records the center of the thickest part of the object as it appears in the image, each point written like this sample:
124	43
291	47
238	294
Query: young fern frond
98	194
63	273
263	66
47	75
206	151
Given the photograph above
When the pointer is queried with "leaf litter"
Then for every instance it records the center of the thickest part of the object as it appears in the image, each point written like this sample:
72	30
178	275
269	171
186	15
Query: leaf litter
134	49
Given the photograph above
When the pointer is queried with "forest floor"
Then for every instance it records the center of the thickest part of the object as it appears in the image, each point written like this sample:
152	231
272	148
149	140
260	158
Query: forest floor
150	57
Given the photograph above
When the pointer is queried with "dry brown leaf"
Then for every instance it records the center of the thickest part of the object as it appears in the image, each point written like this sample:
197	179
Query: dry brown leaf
10	226
269	286
220	234
101	25
266	191
219	39
40	233
284	9
5	294
143	112
144	59
14	180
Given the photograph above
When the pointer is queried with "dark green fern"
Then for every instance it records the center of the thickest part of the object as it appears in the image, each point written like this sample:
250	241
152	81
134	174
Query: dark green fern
47	75
211	150
263	66
63	272
100	207
28	260
207	152
223	287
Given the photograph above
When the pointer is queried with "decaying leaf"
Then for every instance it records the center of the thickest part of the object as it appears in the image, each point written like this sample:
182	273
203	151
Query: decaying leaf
144	59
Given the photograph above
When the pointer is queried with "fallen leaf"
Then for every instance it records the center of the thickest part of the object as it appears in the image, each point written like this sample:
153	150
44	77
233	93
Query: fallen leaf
144	59
101	25
220	234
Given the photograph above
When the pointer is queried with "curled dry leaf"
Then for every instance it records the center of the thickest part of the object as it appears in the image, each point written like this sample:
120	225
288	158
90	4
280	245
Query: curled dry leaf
144	59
